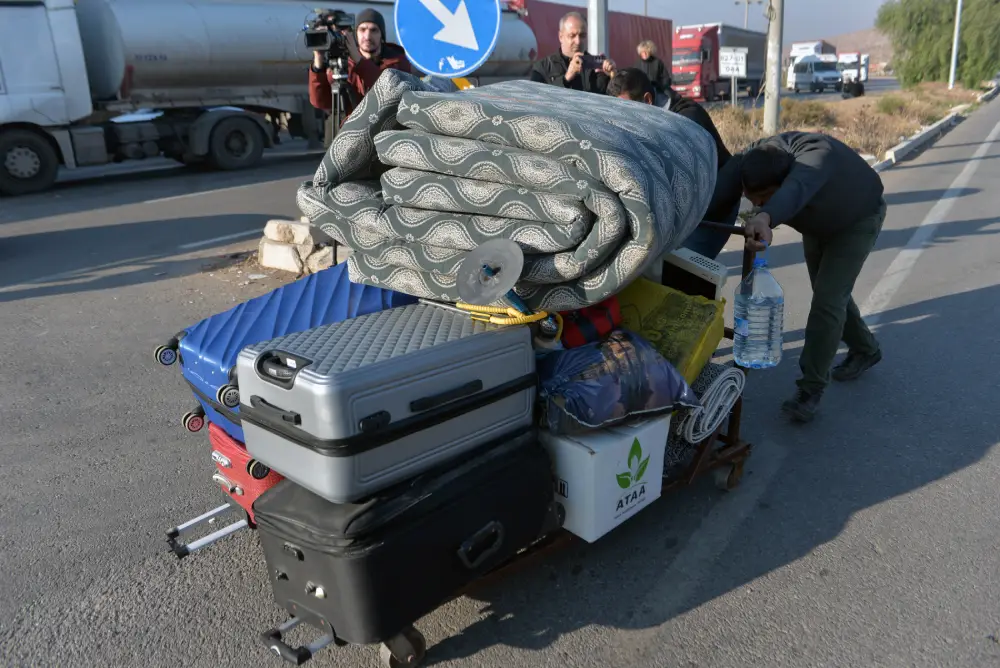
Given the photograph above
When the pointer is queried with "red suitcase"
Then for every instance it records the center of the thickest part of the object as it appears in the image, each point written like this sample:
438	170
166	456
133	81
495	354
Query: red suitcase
241	476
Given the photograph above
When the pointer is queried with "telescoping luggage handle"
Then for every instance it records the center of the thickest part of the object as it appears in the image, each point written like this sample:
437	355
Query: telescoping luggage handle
273	639
279	368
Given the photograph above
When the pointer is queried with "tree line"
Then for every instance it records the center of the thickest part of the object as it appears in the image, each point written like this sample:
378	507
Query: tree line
921	33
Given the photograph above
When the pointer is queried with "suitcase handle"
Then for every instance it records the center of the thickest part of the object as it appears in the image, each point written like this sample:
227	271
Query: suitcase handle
481	546
290	417
272	638
435	400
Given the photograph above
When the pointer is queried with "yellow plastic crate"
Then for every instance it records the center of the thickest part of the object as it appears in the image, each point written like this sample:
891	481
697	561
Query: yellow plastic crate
685	329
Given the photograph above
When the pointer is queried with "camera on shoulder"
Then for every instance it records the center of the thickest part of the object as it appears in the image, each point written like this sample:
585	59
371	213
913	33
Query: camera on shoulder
323	32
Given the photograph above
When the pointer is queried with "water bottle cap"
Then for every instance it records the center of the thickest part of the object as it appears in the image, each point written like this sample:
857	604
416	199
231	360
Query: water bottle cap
759	262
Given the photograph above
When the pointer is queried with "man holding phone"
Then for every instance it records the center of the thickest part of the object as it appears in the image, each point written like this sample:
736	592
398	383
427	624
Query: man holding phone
573	67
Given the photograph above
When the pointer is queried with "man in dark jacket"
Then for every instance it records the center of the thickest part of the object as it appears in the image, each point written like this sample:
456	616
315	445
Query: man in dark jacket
572	67
653	67
633	84
827	192
370	55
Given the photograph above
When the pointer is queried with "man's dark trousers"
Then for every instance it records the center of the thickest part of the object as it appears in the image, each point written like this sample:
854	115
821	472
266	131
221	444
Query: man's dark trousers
834	264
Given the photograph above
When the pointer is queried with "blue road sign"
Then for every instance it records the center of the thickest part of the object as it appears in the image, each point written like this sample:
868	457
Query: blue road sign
448	38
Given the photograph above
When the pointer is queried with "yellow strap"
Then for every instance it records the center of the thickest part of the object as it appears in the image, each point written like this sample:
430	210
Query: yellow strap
462	83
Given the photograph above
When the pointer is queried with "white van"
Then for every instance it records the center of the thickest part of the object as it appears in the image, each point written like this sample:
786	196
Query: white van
814	74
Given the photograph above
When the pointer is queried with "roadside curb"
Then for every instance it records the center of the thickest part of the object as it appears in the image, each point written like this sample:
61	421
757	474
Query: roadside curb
929	134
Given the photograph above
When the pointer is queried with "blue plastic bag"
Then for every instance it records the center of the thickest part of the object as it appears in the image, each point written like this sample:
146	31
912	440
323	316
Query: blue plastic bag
600	384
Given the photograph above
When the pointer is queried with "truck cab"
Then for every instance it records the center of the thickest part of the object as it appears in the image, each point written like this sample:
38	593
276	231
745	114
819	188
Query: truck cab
853	66
814	74
695	65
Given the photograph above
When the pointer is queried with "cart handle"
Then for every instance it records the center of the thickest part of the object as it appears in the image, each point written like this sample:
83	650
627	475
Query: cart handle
748	255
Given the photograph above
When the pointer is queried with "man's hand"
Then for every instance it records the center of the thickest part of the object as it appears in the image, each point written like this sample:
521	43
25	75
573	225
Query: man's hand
318	62
609	67
352	46
575	66
758	232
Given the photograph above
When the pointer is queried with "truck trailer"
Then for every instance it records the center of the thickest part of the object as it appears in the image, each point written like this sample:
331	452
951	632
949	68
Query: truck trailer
696	60
209	70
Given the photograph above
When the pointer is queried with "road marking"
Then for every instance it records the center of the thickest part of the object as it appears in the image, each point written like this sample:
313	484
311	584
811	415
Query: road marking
897	273
198	194
226	237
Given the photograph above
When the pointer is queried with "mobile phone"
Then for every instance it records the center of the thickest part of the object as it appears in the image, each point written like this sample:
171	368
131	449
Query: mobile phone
592	62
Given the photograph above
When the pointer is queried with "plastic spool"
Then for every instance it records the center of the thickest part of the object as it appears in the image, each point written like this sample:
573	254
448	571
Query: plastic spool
489	272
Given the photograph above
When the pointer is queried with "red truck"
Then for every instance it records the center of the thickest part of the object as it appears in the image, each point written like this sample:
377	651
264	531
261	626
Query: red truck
696	60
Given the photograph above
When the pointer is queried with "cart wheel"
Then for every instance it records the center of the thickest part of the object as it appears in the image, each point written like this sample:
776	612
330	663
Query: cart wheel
165	355
728	477
407	650
257	470
228	396
193	421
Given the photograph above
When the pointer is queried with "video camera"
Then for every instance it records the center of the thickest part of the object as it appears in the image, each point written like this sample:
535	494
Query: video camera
323	33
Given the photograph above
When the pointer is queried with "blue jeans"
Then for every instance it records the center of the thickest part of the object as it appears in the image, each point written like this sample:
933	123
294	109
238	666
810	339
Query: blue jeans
710	242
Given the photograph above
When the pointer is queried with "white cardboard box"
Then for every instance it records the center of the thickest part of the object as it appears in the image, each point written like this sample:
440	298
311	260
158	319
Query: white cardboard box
604	477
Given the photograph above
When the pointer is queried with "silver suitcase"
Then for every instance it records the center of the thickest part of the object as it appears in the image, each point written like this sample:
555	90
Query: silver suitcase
348	409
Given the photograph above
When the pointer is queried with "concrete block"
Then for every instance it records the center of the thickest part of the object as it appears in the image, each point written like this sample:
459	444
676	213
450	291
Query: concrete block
276	255
320	259
289	232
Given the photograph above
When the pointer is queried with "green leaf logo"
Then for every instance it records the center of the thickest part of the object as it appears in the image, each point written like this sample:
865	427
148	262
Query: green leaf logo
624	480
634	454
642	469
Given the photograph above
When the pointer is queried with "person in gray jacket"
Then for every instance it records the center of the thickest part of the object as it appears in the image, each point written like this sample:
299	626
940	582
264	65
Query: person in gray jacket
823	189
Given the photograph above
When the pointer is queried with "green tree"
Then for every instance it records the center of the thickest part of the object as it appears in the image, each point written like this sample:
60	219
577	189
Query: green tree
921	33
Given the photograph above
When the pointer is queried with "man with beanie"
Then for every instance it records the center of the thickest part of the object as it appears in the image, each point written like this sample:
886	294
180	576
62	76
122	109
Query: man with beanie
369	56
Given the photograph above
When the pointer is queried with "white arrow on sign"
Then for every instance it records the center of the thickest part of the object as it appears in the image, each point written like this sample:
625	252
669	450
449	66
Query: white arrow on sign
455	28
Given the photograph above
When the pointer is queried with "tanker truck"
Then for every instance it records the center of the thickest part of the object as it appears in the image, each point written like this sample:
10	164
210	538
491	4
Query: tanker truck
71	72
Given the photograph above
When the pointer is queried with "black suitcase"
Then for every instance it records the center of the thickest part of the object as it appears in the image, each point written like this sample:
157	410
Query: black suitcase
365	572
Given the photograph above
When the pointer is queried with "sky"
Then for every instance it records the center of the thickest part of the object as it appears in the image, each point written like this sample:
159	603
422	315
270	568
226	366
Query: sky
804	19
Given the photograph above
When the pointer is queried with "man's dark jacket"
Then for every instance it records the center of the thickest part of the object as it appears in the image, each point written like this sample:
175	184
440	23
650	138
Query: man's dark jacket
552	70
829	188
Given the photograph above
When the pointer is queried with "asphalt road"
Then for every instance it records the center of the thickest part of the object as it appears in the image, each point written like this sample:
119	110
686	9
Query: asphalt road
868	538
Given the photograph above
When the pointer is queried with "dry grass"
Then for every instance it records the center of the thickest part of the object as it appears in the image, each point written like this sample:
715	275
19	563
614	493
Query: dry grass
868	124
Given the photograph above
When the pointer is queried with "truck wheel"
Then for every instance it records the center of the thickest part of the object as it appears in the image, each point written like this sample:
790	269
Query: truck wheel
28	163
236	143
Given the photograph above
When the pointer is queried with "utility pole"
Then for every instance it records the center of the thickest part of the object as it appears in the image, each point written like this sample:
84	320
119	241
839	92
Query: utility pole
597	27
746	10
772	92
954	45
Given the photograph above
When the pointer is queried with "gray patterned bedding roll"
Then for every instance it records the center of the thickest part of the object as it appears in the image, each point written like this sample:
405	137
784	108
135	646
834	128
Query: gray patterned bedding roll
593	189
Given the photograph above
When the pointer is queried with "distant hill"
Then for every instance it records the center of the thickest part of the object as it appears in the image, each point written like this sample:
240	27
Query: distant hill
869	41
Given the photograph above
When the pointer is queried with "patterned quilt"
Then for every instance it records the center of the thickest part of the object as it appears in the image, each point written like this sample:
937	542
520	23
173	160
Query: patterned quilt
593	189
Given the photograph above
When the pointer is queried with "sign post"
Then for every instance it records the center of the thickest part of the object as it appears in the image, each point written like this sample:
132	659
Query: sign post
445	42
733	64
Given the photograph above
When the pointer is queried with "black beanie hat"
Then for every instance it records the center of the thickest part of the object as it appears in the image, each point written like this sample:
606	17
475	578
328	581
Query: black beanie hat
371	16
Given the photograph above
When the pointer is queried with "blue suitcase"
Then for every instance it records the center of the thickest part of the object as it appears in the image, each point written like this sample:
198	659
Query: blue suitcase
207	350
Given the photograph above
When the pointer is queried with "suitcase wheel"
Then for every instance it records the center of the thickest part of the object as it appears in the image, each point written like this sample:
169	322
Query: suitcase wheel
165	355
257	470
193	421
228	396
406	650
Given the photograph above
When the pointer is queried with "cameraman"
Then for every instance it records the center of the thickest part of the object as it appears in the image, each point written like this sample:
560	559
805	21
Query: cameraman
369	55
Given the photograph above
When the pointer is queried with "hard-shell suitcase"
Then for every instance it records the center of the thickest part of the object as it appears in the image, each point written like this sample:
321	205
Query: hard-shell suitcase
242	477
207	350
365	573
351	408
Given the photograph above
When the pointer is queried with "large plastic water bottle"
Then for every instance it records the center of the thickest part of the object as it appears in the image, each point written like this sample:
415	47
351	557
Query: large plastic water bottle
759	309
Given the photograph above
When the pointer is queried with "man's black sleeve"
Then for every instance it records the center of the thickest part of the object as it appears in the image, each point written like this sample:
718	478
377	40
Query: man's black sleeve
537	74
728	191
812	168
697	113
601	82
